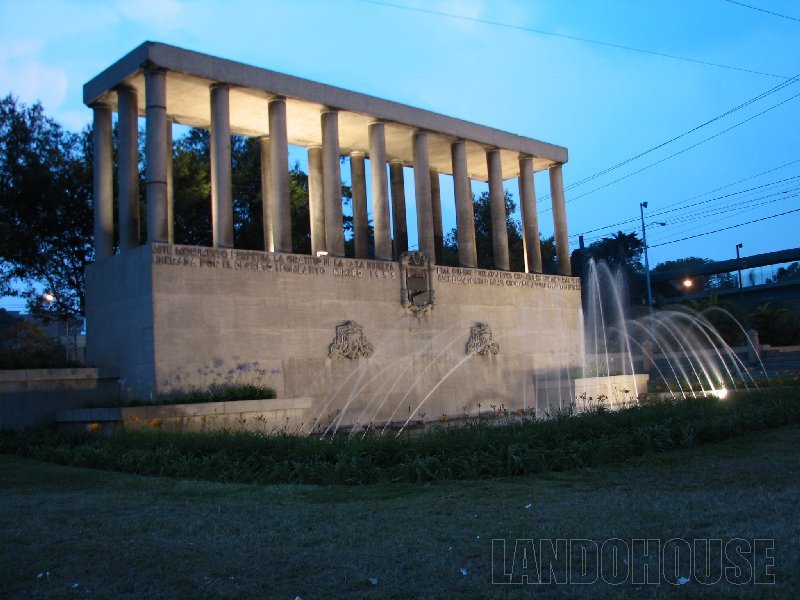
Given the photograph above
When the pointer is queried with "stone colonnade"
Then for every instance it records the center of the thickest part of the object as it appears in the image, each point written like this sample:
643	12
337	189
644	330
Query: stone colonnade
324	182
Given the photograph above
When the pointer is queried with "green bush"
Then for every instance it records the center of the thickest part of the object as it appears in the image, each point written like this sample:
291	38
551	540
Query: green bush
23	345
776	326
472	451
222	392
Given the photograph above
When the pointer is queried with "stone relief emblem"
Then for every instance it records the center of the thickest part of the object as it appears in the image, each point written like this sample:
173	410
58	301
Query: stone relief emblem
350	342
481	341
416	283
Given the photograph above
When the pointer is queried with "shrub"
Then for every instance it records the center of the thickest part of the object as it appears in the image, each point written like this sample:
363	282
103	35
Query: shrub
23	345
472	451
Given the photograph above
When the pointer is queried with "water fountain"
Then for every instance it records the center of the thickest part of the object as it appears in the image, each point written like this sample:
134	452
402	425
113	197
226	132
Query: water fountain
679	347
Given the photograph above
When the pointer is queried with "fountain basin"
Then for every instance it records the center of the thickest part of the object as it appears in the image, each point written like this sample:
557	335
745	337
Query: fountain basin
585	393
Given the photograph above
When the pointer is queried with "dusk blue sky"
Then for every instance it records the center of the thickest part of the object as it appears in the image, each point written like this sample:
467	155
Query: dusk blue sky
604	104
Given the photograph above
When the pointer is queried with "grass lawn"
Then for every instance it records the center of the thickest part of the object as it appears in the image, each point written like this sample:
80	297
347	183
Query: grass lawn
70	532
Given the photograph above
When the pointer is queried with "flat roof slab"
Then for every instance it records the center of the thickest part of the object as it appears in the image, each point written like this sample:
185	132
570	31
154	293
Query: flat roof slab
189	75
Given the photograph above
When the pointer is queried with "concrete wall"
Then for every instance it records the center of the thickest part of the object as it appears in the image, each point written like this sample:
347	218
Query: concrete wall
176	316
31	397
266	416
119	324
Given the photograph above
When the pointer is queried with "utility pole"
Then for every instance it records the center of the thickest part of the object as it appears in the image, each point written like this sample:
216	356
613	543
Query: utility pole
642	206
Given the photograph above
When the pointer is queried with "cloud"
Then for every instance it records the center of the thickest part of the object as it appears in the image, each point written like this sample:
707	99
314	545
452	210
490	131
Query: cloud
161	14
30	79
53	20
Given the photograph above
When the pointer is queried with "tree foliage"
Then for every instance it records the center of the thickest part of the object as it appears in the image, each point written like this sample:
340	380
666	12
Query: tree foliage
788	273
714	282
45	209
483	238
776	325
24	345
621	252
192	192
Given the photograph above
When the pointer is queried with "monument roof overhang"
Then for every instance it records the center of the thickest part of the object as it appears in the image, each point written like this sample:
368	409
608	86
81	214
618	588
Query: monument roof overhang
189	75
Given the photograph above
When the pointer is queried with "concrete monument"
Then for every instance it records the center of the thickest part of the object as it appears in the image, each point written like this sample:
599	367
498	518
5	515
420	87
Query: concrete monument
371	339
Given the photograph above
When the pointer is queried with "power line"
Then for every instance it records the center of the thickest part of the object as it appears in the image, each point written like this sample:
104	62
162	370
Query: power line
777	88
569	37
724	228
721	210
769	12
676	206
706	212
679	152
705	194
737	209
724	208
671	207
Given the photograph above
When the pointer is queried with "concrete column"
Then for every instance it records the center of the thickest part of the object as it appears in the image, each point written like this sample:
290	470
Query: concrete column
128	173
465	211
497	205
155	82
436	213
221	183
560	220
170	187
530	220
266	202
332	183
316	199
358	185
422	188
400	227
279	176
103	194
380	191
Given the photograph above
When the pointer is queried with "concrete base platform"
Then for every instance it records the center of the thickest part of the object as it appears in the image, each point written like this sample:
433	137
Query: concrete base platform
367	341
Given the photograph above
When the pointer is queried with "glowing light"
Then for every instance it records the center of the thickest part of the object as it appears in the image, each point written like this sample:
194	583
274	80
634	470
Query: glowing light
721	393
687	283
322	253
48	297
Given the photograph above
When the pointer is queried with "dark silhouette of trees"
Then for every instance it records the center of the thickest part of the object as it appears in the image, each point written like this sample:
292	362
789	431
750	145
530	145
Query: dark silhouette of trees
46	236
483	238
717	281
192	192
621	252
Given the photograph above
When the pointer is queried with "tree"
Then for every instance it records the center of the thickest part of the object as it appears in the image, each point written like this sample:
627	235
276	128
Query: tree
192	188
192	193
788	273
709	283
621	252
726	317
483	238
45	209
777	326
620	249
